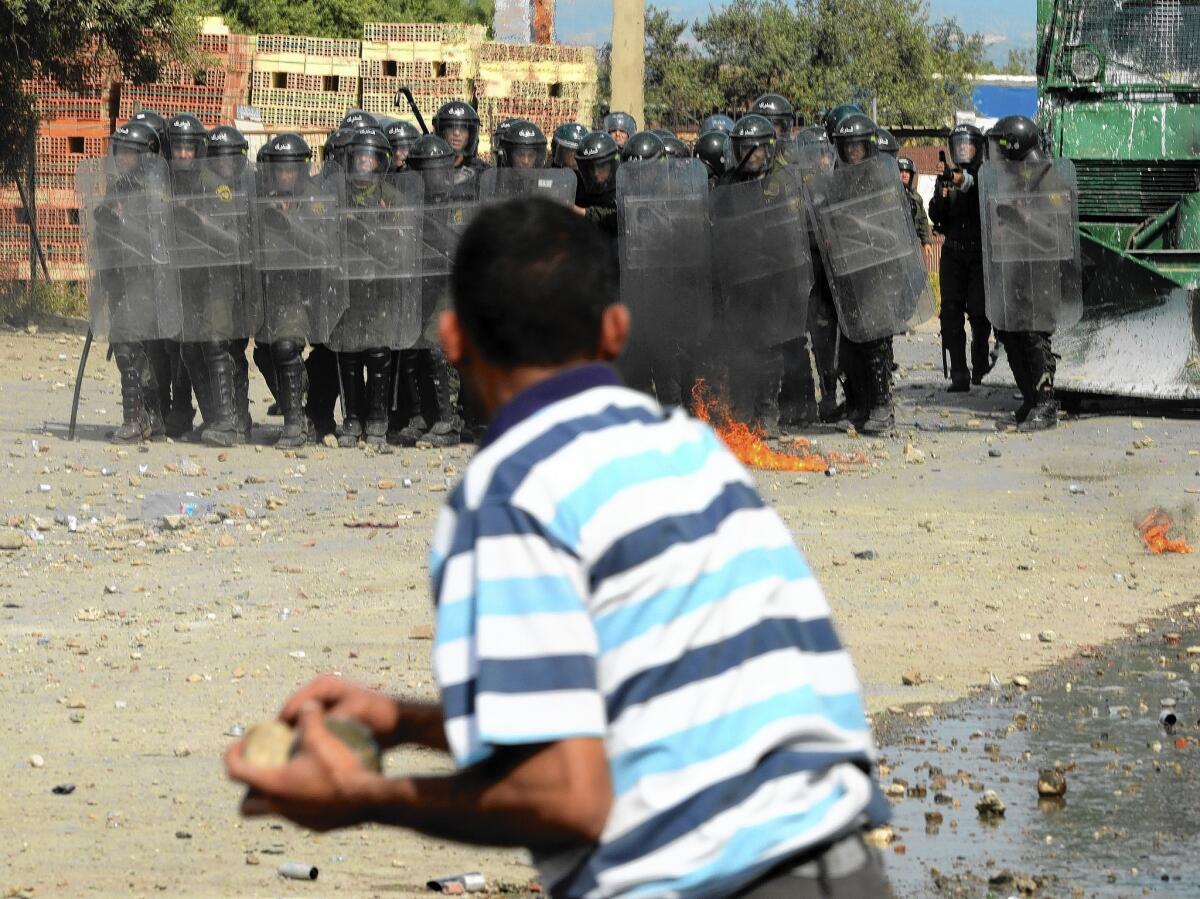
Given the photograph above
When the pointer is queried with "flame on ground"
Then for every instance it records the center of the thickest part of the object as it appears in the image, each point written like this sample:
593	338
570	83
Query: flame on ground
1153	528
747	443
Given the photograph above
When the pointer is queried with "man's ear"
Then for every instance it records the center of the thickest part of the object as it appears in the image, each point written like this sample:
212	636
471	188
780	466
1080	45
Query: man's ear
614	331
451	334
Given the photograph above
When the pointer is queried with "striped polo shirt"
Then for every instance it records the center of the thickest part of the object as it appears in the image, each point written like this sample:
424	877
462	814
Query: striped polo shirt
606	569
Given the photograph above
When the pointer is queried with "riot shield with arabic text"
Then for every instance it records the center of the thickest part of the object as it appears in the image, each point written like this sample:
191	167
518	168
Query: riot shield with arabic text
1032	269
498	185
864	228
298	253
382	219
447	214
212	248
133	290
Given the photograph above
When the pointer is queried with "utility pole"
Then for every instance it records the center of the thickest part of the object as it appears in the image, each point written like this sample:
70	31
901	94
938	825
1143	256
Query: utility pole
629	59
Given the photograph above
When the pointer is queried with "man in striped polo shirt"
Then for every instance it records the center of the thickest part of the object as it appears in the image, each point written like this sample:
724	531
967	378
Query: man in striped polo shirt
640	679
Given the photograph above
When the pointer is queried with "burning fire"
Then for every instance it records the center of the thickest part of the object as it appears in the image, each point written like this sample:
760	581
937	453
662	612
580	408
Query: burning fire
1153	528
747	443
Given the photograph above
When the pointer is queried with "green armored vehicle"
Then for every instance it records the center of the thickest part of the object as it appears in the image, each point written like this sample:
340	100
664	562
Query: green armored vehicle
1120	96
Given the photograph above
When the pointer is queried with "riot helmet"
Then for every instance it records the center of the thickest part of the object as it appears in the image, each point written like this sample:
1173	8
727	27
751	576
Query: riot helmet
811	134
778	111
717	122
715	150
401	135
433	159
369	154
457	123
187	140
620	123
887	143
907	168
642	147
229	148
334	153
1016	137
498	141
835	115
597	162
130	141
385	122
856	139
675	148
663	133
966	147
753	141
158	123
359	118
565	143
285	160
524	146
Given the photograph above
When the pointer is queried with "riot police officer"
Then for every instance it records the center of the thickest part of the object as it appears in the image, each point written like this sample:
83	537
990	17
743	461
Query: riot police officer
432	383
129	297
675	148
1030	354
643	146
401	135
523	146
597	158
954	211
620	126
565	143
457	123
908	177
779	112
717	122
365	407
715	150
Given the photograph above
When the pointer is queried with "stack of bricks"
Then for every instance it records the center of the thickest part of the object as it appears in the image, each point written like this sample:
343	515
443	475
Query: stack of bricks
212	93
304	84
435	61
74	125
544	83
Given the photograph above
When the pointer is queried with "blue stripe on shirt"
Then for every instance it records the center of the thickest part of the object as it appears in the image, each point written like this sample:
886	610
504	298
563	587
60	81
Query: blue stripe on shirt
677	751
752	566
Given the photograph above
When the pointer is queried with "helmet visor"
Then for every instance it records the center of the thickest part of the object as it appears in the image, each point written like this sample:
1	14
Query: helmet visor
964	149
598	177
852	152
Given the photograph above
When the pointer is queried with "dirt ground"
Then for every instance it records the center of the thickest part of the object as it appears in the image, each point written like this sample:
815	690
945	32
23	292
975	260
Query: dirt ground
129	651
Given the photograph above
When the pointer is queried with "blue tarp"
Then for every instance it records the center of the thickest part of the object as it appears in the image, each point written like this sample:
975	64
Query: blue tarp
994	101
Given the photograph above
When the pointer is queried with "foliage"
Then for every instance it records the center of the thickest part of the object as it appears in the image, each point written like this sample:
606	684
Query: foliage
818	53
61	39
19	303
344	18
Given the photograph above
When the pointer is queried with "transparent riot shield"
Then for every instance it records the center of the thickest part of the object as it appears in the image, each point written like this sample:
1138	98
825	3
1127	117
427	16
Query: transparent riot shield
1032	267
298	253
864	228
133	290
212	248
447	214
762	266
498	185
381	224
664	244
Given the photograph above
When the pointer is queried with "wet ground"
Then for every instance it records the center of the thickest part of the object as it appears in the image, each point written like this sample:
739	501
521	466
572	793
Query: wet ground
1120	726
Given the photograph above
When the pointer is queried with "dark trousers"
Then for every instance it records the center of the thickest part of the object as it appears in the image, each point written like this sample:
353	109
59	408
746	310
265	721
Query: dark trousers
849	869
961	276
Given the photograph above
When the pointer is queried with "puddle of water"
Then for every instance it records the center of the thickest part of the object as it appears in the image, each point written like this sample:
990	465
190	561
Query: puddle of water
1129	823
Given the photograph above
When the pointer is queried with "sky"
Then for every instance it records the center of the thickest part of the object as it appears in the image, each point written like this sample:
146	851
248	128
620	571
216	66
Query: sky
1007	25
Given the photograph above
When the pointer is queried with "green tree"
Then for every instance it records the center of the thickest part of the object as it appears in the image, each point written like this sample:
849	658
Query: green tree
1021	61
67	40
344	18
679	84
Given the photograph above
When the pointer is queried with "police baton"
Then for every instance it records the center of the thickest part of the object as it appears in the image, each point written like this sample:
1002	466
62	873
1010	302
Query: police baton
412	104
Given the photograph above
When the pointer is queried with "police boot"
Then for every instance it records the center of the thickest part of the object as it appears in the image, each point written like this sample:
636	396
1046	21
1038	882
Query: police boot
135	423
1040	374
379	396
798	397
193	359
322	373
221	424
182	413
447	430
411	375
1017	361
829	409
767	381
960	375
982	360
350	374
289	369
854	385
881	417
